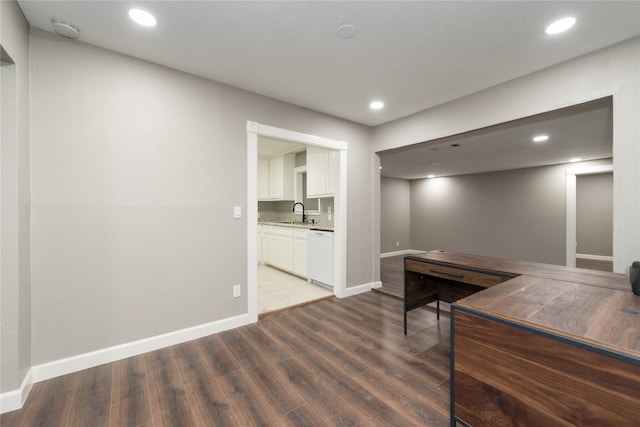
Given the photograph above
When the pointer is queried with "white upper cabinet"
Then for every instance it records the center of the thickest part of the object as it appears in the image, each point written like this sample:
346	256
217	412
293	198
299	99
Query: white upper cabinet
263	179
333	169
322	172
282	178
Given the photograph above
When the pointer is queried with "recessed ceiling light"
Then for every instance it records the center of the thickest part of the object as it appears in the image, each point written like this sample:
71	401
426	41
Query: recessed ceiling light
561	25
376	105
142	17
431	176
575	159
540	138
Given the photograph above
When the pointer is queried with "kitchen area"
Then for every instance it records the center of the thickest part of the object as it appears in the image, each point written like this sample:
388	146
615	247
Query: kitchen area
296	187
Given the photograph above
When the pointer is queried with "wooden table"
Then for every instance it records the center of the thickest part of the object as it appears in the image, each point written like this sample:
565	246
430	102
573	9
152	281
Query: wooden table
439	276
552	346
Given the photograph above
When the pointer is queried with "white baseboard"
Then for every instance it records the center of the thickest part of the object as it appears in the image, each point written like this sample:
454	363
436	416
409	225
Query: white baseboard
595	257
14	399
71	364
396	253
360	289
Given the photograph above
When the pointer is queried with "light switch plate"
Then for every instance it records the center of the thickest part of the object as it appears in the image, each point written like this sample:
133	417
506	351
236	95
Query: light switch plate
237	211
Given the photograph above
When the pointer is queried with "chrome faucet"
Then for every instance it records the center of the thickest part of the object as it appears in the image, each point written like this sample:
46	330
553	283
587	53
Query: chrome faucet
304	217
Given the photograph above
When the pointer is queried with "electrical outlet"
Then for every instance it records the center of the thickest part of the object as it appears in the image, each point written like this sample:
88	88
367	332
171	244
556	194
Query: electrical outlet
397	243
236	291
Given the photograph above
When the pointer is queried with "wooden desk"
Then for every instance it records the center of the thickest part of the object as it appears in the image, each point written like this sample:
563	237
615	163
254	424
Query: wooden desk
428	278
553	346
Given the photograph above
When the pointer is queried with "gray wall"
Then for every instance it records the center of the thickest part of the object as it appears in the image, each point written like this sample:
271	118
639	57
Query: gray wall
15	264
395	214
611	71
135	170
516	214
594	214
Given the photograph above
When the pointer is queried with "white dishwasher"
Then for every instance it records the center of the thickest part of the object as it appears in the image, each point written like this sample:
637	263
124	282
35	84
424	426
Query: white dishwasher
320	257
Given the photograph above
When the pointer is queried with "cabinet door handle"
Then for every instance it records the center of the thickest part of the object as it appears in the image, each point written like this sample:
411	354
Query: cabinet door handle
446	273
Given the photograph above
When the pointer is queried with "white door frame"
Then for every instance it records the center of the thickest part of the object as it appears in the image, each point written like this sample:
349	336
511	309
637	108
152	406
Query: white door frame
572	240
340	206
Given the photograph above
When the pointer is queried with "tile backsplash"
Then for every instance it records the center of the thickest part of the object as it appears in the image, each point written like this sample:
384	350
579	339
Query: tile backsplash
281	211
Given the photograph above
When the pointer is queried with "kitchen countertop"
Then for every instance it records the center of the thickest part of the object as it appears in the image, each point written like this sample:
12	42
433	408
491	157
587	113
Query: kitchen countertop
303	225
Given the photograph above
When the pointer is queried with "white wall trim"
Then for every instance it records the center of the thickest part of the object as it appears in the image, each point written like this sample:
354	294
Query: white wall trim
340	224
290	135
595	257
79	362
14	399
590	170
254	130
252	221
361	289
570	219
571	210
396	253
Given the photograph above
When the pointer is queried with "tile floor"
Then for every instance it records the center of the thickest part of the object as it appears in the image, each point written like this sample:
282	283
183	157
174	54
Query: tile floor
277	290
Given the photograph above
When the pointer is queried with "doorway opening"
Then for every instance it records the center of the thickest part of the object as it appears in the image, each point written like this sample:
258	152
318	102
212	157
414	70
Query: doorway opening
573	256
256	131
289	254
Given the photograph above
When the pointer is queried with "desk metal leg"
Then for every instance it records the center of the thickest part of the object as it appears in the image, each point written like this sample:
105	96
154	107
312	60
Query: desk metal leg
405	321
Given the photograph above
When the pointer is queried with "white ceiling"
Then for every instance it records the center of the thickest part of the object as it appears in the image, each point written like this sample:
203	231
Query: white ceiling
583	131
268	147
411	54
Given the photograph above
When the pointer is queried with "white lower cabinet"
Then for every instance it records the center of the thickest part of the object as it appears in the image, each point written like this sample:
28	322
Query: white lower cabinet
300	252
282	252
265	248
285	248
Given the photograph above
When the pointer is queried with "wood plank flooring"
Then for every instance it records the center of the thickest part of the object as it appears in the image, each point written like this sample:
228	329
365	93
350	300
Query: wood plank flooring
331	363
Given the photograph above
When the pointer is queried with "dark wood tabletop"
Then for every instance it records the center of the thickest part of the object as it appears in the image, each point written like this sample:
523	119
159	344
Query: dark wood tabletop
549	271
597	308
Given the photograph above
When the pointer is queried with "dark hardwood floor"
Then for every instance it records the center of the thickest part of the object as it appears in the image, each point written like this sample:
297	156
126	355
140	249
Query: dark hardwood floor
334	362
